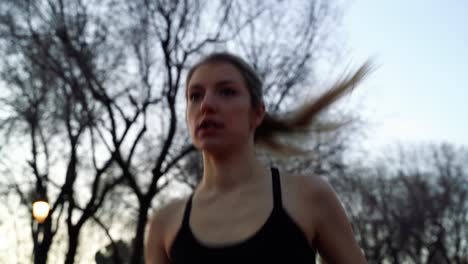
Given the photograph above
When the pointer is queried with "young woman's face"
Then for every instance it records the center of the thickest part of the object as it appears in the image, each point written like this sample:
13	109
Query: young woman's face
219	111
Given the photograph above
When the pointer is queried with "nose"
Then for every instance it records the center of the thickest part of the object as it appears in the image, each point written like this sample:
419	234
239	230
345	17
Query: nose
208	103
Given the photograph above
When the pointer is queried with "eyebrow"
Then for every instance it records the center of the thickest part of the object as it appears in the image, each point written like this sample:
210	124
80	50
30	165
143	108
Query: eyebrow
218	83
223	82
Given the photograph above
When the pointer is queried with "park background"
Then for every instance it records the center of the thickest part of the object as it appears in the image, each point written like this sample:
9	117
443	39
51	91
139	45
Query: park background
91	117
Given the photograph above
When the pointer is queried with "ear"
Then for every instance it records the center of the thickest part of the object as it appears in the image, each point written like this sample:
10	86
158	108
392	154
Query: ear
258	115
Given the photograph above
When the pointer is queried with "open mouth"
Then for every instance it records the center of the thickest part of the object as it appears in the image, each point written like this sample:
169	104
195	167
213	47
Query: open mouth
209	125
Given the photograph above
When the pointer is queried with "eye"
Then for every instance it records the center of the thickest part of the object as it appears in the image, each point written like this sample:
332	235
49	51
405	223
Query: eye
227	91
195	96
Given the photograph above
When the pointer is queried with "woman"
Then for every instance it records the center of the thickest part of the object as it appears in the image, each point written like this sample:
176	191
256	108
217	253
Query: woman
242	211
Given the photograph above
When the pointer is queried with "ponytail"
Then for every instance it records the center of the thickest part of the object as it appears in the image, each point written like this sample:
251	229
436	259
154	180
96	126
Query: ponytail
299	122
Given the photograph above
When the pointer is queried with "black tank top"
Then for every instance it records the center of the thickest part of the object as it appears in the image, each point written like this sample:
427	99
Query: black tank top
279	240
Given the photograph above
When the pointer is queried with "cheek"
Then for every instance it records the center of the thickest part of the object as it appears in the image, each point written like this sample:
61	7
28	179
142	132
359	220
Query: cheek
241	116
189	120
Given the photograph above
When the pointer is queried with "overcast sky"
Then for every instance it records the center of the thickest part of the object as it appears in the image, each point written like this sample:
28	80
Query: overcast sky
419	92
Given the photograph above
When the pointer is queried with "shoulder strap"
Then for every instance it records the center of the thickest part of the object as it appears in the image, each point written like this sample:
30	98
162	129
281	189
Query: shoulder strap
278	203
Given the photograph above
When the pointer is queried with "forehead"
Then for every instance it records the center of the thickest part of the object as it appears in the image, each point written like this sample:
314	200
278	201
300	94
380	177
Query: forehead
210	73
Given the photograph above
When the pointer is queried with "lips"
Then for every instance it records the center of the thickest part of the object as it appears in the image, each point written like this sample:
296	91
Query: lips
209	124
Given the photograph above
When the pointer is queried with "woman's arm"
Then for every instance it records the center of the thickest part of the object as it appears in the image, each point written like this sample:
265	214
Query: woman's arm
154	246
334	236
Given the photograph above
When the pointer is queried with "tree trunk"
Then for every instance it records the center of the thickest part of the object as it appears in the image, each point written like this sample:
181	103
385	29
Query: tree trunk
41	248
137	255
72	245
40	254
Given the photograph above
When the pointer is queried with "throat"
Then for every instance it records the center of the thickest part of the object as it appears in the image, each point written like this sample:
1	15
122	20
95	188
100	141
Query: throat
230	178
232	218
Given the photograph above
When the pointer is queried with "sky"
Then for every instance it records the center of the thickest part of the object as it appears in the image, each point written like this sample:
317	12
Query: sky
419	91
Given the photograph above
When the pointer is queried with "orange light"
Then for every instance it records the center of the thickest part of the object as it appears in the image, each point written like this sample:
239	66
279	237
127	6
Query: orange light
40	211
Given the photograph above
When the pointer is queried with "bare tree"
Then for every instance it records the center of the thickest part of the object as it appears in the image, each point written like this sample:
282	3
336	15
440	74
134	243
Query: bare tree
106	76
412	207
49	105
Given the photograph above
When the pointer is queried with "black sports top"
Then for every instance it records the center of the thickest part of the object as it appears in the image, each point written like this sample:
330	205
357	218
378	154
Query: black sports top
279	240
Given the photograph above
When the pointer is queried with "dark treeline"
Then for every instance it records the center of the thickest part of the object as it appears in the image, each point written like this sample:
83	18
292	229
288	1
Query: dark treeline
411	206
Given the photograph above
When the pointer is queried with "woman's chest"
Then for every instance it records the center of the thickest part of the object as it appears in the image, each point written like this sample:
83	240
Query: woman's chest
229	221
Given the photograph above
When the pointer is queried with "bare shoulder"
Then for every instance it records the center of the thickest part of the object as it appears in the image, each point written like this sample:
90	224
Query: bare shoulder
303	198
310	187
311	193
167	212
332	232
164	224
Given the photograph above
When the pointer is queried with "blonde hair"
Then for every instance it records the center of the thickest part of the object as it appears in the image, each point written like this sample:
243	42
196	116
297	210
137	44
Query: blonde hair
299	120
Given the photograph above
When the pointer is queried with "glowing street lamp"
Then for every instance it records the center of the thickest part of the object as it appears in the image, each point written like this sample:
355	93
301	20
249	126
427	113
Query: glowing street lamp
40	210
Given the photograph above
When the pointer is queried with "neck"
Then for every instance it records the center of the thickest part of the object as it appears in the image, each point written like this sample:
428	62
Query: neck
229	172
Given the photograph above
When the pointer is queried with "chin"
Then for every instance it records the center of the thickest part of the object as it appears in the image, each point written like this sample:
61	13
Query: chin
214	147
